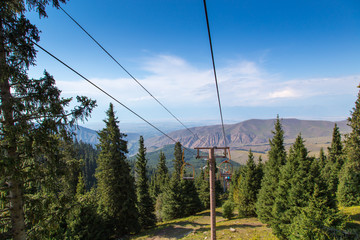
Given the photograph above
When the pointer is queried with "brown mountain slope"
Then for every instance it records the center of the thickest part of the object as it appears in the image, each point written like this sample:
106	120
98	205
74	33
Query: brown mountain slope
254	134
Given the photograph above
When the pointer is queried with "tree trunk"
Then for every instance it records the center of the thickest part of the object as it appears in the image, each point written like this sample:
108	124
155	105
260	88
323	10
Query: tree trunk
16	211
6	110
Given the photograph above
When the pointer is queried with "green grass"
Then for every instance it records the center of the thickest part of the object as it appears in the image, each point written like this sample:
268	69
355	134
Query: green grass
354	217
197	227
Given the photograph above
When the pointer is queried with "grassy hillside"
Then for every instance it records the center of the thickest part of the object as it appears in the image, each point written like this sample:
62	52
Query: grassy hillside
197	227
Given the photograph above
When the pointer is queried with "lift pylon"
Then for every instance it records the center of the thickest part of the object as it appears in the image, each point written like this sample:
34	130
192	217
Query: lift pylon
211	158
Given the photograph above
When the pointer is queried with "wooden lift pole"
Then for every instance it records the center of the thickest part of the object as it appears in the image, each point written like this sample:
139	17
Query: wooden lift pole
212	193
211	159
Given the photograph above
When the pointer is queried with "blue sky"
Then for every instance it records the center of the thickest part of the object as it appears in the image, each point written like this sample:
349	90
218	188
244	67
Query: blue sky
293	58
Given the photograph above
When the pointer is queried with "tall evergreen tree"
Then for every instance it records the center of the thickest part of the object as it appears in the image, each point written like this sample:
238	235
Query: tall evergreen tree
336	148
177	162
144	205
334	162
116	189
349	181
322	158
269	184
190	201
294	188
160	178
159	182
88	154
32	110
203	189
172	199
249	188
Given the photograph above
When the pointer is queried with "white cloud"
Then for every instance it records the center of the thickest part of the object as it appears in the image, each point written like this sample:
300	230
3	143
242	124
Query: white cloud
286	93
175	82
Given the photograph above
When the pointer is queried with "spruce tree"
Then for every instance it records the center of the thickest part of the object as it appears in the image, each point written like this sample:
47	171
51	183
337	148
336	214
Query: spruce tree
349	181
336	148
144	202
159	182
160	178
249	188
116	189
294	190
270	181
172	199
190	201
322	158
177	162
32	111
318	220
203	189
334	161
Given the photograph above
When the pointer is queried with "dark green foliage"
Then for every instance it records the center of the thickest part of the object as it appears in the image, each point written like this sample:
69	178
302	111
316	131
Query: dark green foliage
203	189
249	188
300	181
318	220
88	154
160	179
349	185
116	189
172	199
179	198
349	181
294	189
83	221
336	148
228	209
34	120
190	201
334	161
177	162
322	158
270	181
144	202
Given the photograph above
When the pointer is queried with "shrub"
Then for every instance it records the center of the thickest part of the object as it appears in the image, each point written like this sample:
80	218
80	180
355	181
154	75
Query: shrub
228	209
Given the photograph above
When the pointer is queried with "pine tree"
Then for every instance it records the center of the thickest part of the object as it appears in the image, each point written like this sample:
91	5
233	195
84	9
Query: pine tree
32	110
249	188
116	190
203	189
295	188
177	162
88	154
322	158
172	199
336	148
270	181
179	198
349	181
161	177
145	205
190	201
318	220
334	161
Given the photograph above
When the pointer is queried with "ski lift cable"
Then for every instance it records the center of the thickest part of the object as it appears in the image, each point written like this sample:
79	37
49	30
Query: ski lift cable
106	93
132	76
214	68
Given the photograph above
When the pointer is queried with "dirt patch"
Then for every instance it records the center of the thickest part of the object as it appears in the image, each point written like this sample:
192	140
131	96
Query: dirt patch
172	232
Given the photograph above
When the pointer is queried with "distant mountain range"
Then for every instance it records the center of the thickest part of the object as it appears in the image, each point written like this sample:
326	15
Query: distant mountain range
251	134
242	135
90	136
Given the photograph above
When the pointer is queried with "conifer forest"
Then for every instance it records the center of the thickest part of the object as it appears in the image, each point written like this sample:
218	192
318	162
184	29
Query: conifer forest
55	187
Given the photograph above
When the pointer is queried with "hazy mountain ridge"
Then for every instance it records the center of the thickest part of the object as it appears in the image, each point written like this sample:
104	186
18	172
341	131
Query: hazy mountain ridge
90	136
252	132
